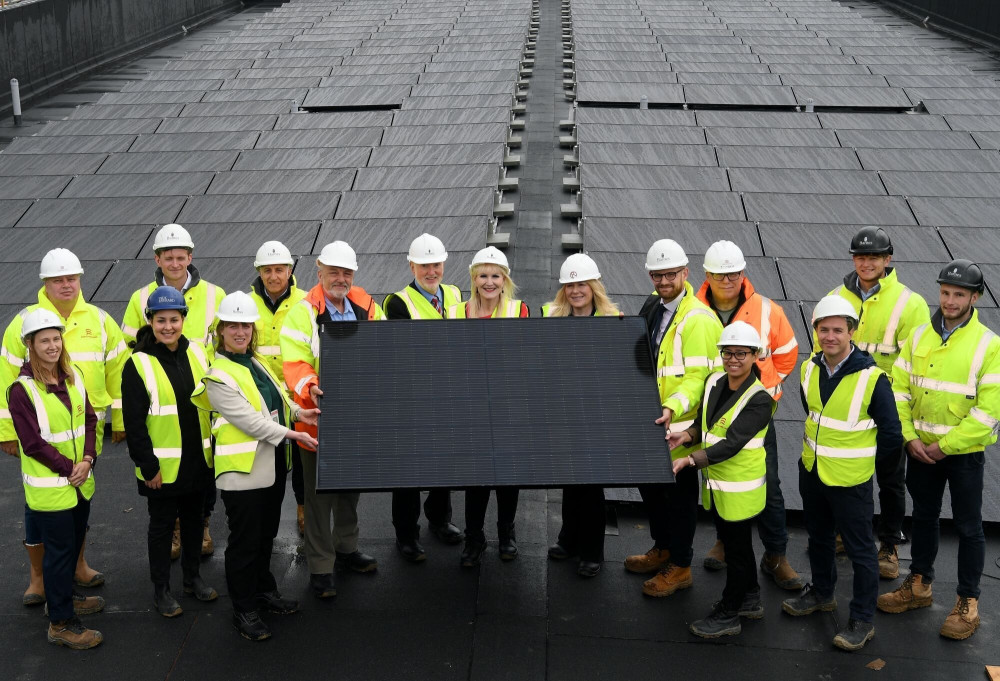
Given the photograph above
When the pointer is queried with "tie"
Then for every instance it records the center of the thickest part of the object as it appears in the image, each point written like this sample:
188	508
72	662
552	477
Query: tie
436	303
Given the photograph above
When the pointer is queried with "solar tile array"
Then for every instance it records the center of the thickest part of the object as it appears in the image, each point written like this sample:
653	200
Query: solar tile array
790	187
363	120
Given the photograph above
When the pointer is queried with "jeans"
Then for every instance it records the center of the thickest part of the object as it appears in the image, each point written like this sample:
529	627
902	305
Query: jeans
63	533
963	473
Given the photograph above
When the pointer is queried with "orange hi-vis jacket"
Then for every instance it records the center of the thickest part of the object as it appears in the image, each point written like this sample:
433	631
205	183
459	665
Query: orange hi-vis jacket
780	353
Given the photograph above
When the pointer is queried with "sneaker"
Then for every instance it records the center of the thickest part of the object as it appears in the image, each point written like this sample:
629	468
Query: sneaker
72	634
720	622
855	635
808	602
251	626
781	571
715	559
276	603
963	620
667	581
913	593
652	561
888	561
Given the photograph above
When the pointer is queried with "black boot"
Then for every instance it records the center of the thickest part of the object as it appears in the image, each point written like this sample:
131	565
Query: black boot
197	587
475	545
720	622
508	546
165	602
251	626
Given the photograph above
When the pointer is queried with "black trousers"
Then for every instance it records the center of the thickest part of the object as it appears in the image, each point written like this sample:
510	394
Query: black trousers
188	509
253	517
210	496
298	482
673	515
583	517
890	474
478	498
62	533
741	565
406	510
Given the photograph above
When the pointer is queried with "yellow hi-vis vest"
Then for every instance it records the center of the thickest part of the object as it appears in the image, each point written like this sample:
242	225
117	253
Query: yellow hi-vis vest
420	308
202	300
546	309
162	422
738	484
512	308
65	430
234	449
269	327
949	391
840	437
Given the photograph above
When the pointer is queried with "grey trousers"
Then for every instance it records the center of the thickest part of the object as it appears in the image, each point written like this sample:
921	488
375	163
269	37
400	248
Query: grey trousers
323	542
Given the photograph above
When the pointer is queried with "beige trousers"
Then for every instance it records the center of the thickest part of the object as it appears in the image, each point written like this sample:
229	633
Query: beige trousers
323	542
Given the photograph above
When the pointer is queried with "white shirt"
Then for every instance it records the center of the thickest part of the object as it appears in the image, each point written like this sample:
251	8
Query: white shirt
668	314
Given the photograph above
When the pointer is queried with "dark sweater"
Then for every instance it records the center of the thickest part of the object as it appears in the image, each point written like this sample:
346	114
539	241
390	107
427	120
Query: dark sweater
754	417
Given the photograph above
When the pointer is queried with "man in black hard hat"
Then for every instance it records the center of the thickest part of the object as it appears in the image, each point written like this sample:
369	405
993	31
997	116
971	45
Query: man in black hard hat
947	386
888	311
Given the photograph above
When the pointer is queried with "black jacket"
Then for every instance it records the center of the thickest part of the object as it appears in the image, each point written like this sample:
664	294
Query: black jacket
258	287
194	473
754	417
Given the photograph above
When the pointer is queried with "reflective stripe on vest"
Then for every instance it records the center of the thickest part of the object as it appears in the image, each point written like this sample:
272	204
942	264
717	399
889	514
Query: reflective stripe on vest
420	308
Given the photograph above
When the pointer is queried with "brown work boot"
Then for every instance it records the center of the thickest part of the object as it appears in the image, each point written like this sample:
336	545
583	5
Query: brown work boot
913	593
667	581
207	545
85	575
300	519
839	547
651	561
72	634
963	620
175	541
715	559
35	593
782	573
888	561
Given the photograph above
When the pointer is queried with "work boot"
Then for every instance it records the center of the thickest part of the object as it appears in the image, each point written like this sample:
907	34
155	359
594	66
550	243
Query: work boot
85	575
355	562
175	541
323	585
838	545
447	533
508	543
559	552
888	561
782	573
720	622
651	561
207	545
475	546
199	589
667	581
273	601
411	550
72	634
35	593
808	602
752	608
165	602
300	519
963	620
715	559
855	635
83	605
913	593
587	568
251	626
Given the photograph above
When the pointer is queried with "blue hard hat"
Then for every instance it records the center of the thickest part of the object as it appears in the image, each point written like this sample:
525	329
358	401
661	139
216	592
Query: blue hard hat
166	298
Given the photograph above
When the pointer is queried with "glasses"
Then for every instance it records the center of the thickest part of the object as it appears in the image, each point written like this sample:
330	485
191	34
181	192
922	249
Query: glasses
738	354
731	276
669	276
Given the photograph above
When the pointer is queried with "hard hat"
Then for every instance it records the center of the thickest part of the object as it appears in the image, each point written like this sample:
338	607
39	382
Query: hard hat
238	307
339	254
59	262
491	255
39	319
723	257
964	273
872	241
664	254
740	333
427	249
578	267
172	236
166	298
273	253
833	306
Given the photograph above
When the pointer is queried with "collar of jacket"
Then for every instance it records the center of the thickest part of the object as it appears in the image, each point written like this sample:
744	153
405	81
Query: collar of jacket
195	277
746	292
886	283
858	360
357	296
258	288
938	318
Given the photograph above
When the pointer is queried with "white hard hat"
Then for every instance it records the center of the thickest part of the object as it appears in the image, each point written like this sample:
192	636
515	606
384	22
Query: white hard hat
39	319
172	236
59	262
723	257
833	306
664	254
427	249
273	253
339	254
578	267
741	334
238	307
491	255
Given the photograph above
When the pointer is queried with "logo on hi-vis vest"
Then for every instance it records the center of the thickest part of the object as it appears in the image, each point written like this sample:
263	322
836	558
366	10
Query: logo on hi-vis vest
79	410
722	421
88	333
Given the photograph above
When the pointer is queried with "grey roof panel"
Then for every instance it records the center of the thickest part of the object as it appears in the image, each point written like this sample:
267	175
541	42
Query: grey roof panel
70	144
19	280
236	108
289	159
288	181
497	114
260	208
233	98
974	243
474	133
639	134
11	211
50	164
882	121
644	117
804	181
127	276
319	138
133	210
437	154
168	162
333	119
416	203
775	137
975	123
788	157
244	238
756	119
989	107
216	124
33	186
393	235
657	93
427	177
138	184
115	111
87	243
247	86
987	140
692	78
907	139
831	241
852	96
951	184
653	177
195	141
818	208
941	160
125	126
384	95
746	95
649	154
828	80
635	235
681	205
962	212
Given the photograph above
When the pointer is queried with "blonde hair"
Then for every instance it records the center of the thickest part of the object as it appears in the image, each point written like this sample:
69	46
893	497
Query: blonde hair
62	364
560	307
507	293
220	344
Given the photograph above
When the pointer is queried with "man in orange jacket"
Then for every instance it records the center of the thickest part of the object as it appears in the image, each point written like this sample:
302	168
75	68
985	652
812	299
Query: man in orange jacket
731	295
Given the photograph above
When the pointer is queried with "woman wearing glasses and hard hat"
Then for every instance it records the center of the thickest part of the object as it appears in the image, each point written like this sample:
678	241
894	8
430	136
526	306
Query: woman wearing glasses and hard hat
582	534
491	297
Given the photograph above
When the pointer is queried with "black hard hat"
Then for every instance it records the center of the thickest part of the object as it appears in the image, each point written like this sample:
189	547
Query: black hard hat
964	273
871	240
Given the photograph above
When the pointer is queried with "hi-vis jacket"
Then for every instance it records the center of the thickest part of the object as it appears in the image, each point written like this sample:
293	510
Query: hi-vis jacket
96	349
780	352
885	319
949	391
512	308
270	323
300	342
202	299
419	307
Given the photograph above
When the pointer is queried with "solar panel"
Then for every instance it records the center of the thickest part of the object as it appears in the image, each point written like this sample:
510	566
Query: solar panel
530	403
